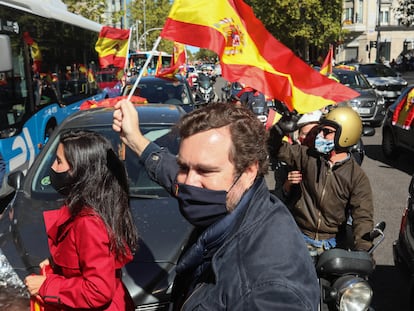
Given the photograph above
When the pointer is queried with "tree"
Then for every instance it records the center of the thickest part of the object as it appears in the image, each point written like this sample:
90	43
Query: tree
404	12
206	56
300	24
91	9
156	12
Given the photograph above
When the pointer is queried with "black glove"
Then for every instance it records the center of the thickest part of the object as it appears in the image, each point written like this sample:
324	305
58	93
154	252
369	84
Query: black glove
288	122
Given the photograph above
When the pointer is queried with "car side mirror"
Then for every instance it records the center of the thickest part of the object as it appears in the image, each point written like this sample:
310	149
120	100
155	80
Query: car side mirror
368	131
15	180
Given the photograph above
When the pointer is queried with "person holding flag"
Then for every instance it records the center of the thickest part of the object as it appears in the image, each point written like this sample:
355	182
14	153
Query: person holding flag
246	252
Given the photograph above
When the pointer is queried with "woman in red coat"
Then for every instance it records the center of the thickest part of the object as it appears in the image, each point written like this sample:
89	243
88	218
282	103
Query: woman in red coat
93	235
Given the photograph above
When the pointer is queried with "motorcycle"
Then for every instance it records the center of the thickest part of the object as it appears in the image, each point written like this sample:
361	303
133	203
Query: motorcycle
205	93
343	275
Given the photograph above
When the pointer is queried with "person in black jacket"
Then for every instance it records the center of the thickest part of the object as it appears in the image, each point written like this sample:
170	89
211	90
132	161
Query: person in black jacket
246	252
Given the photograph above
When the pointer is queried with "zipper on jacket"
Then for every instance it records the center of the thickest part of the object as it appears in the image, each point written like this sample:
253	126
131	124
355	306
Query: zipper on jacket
193	292
328	173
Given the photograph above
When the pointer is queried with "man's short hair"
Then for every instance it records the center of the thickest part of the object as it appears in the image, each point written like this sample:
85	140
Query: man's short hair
248	134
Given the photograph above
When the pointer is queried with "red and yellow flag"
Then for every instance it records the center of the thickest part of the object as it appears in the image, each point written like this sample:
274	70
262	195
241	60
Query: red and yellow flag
35	52
112	46
326	67
178	60
248	52
159	64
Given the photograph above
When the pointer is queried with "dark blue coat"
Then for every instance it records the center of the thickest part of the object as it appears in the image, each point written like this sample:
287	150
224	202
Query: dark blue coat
263	264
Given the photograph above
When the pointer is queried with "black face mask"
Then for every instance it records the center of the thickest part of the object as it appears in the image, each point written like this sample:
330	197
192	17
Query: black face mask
61	182
201	207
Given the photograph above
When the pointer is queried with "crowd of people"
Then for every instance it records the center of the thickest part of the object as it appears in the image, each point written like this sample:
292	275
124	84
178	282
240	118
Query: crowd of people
250	249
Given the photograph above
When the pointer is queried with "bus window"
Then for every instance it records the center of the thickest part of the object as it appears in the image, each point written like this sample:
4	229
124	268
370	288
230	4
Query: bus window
47	66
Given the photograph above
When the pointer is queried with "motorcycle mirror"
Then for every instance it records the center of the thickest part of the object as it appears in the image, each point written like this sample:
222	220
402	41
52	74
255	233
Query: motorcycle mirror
368	131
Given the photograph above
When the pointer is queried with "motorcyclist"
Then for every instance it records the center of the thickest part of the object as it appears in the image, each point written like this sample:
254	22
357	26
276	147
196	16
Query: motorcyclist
253	99
333	183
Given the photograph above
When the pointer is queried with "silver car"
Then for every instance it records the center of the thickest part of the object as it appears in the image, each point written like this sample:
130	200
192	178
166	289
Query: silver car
370	104
386	80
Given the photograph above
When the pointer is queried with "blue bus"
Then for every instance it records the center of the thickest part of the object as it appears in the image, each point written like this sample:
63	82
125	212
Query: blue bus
47	60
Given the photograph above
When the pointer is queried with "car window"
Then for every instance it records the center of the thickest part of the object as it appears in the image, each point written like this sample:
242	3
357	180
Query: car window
377	71
139	181
353	80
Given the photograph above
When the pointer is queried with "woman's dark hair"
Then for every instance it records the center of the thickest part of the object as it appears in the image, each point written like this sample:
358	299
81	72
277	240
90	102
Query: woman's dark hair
100	182
248	134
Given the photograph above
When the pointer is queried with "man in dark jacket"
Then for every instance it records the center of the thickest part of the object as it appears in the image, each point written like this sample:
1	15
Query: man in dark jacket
247	252
334	188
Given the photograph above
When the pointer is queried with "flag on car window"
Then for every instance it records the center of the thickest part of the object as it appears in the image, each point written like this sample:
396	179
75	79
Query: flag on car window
178	61
250	53
326	67
35	52
112	46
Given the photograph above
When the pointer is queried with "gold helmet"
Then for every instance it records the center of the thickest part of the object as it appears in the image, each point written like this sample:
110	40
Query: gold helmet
348	126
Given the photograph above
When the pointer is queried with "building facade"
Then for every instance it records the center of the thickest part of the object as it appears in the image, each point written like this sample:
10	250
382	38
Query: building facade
373	32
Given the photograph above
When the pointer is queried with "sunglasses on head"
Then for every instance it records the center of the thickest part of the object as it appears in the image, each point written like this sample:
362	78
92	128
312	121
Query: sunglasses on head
326	131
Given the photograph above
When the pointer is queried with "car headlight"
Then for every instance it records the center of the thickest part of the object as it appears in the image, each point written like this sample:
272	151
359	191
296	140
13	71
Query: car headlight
9	277
354	293
202	90
354	104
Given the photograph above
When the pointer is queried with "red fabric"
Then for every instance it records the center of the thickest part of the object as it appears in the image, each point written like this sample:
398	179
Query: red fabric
110	102
87	277
404	111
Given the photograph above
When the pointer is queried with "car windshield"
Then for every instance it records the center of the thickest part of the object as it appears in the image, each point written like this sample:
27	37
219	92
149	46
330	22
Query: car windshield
140	185
353	79
377	71
160	91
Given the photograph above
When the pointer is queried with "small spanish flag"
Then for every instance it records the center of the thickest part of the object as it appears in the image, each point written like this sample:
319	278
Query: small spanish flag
112	46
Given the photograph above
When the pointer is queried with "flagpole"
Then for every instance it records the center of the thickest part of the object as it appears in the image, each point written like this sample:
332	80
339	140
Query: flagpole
127	57
154	48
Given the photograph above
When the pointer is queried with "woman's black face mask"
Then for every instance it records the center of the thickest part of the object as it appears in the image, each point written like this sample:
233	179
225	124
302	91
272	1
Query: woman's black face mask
62	182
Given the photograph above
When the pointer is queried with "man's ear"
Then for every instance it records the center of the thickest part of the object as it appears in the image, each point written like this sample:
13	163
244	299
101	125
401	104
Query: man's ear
251	172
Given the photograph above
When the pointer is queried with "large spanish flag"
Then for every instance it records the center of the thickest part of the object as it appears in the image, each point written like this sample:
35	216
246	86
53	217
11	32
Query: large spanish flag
112	46
249	53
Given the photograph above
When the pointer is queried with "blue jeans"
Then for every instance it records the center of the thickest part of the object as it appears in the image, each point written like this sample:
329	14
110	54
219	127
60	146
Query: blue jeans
325	244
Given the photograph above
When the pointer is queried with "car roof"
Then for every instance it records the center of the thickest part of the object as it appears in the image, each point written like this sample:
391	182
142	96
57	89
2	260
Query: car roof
148	114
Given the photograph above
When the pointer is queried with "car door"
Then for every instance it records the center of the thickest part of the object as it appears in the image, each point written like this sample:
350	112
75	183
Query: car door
406	134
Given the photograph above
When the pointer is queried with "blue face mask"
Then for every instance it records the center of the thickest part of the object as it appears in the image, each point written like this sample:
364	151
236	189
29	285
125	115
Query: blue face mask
323	145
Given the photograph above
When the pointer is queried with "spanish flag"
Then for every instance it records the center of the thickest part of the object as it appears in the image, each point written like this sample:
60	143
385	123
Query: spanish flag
159	64
35	52
326	68
248	52
178	60
112	46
